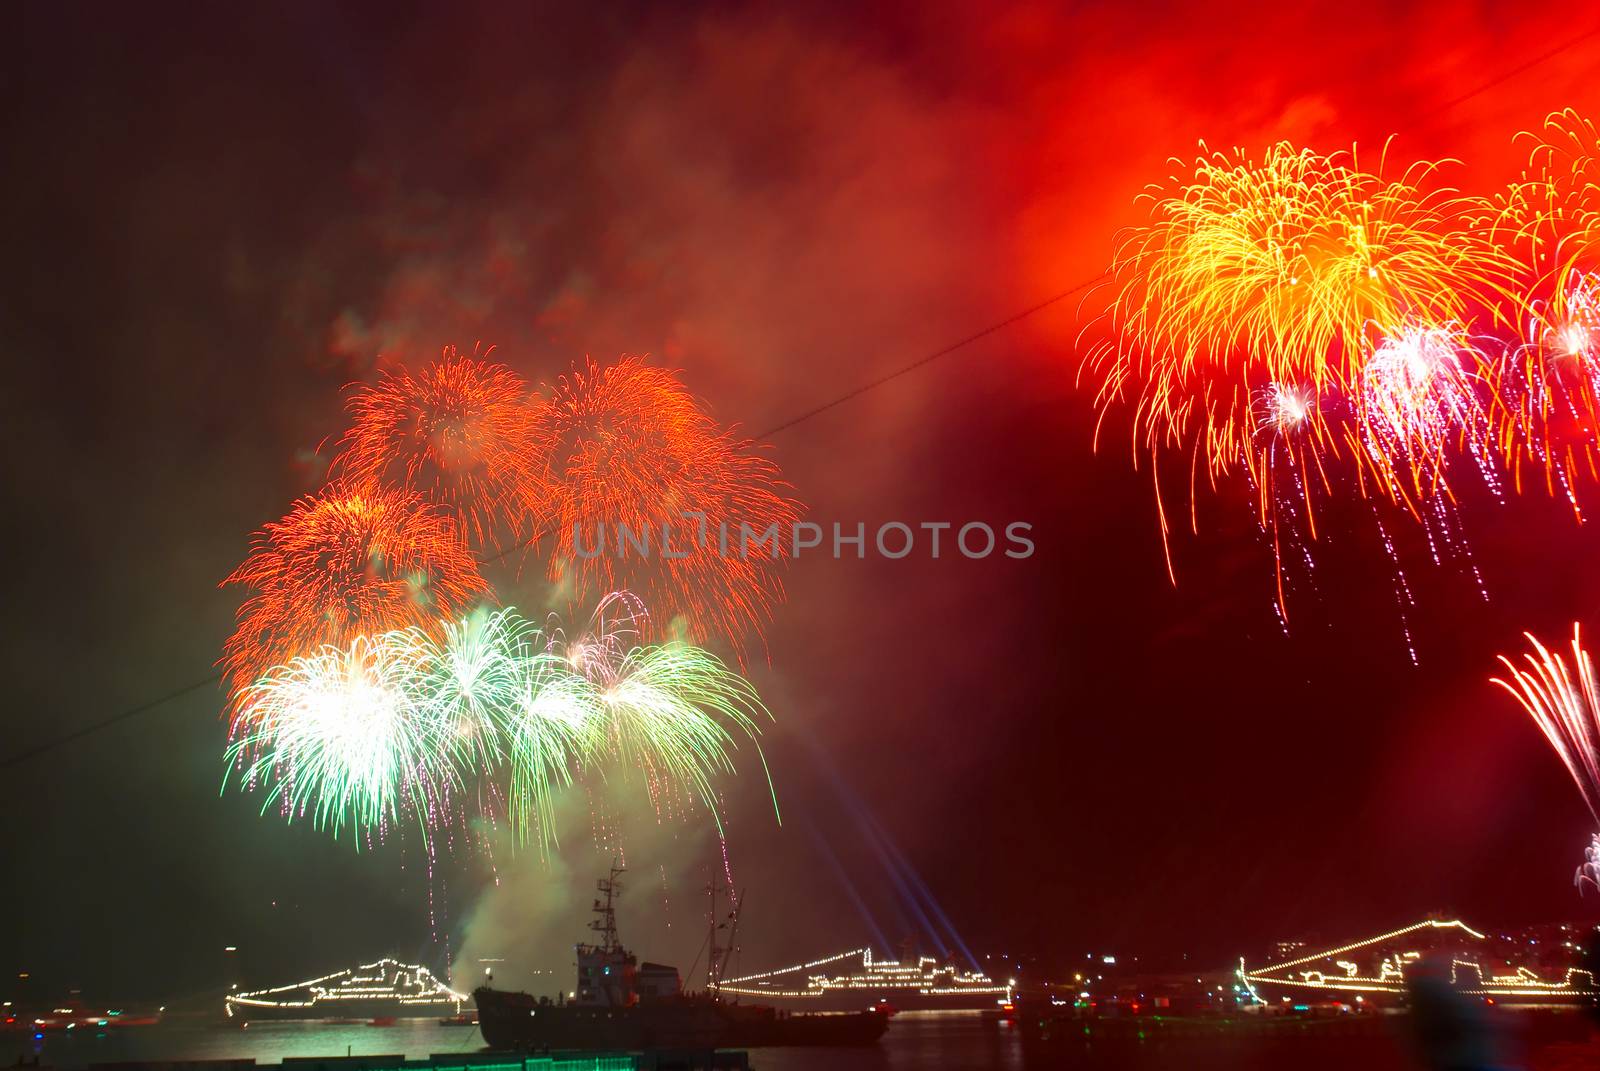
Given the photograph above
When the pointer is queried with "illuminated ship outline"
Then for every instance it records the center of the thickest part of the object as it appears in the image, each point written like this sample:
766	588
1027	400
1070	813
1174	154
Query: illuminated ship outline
877	977
386	985
1468	976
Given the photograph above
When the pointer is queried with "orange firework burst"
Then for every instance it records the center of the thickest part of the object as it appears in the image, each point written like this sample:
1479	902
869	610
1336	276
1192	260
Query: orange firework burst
1550	396
1277	274
1243	317
344	563
461	431
645	492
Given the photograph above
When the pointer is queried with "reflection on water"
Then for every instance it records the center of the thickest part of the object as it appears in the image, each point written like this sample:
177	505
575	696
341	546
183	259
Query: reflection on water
956	1041
266	1042
943	1041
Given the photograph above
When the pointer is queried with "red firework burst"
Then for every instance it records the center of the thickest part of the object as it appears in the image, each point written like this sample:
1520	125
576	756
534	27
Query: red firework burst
347	562
634	464
461	432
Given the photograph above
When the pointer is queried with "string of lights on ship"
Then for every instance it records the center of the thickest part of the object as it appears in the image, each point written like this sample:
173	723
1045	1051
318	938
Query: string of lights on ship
875	974
386	979
1391	972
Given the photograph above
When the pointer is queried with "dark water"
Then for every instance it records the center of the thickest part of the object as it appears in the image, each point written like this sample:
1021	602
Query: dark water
941	1041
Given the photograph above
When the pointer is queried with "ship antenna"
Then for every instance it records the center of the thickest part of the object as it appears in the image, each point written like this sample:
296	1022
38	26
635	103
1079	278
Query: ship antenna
605	923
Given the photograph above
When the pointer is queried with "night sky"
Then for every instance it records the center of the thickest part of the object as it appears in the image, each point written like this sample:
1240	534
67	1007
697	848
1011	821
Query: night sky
217	218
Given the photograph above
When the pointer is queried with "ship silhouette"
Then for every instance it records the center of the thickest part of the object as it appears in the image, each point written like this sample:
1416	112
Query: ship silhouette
619	1003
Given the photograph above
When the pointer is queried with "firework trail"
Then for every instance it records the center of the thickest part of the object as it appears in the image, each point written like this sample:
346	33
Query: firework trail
631	456
617	625
344	735
543	710
1550	391
1420	401
1286	471
476	673
552	729
670	710
403	725
1283	410
345	563
673	709
1563	700
461	432
1421	408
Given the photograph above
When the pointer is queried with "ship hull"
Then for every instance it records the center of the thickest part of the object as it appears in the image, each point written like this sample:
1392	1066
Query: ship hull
519	1022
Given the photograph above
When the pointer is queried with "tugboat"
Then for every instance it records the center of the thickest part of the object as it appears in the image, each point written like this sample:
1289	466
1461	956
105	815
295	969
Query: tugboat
621	1004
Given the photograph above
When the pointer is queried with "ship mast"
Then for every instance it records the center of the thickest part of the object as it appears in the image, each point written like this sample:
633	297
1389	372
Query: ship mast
605	922
717	961
733	939
712	949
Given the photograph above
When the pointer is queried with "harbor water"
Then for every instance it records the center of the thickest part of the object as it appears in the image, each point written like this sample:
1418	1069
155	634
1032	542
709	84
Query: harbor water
939	1041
